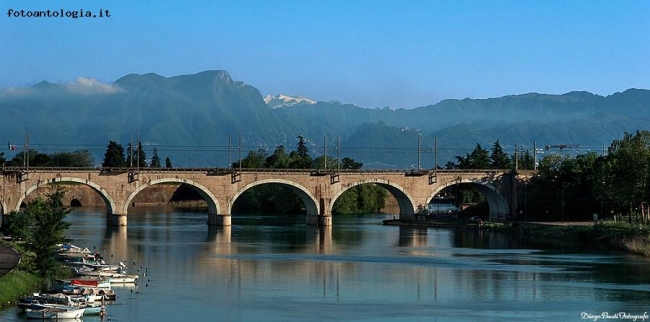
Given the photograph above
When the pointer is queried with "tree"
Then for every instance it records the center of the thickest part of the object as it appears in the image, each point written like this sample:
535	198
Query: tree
526	161
478	159
498	158
629	164
361	199
302	150
18	159
168	163
155	159
348	163
41	224
141	156
300	158
450	165
78	158
279	159
114	156
254	160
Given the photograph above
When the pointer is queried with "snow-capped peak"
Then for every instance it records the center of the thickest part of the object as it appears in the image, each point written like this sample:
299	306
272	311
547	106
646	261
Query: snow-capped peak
281	100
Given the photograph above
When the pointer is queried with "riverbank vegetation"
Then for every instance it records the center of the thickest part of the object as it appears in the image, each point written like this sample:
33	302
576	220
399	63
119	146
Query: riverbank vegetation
614	185
608	234
36	231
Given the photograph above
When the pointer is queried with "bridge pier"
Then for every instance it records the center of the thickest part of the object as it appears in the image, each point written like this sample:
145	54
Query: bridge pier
116	220
319	220
219	220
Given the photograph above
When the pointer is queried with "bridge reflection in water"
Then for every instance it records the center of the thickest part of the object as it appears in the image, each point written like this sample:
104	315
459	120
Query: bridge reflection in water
278	268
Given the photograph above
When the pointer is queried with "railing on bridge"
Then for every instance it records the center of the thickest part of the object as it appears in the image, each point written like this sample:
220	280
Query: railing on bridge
22	174
226	171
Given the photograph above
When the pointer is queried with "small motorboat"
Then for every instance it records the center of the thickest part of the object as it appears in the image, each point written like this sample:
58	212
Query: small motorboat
55	313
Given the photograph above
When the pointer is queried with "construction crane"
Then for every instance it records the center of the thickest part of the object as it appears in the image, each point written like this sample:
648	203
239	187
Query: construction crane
562	146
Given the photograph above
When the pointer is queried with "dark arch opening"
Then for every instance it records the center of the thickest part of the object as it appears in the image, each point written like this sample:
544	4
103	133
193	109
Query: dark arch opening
473	200
174	194
446	203
270	203
75	203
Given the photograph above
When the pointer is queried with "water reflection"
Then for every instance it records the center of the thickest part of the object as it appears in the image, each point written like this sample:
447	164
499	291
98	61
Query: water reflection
277	269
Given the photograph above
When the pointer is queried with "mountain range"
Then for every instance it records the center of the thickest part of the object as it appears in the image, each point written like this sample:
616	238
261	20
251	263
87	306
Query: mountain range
204	118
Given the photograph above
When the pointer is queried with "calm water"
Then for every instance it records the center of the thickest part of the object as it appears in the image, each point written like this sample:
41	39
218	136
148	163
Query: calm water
270	268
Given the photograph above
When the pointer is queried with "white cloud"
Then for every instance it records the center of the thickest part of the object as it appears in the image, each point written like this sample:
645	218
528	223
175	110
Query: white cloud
83	85
16	91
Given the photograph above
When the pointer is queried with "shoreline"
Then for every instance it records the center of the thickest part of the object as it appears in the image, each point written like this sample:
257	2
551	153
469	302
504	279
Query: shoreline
604	234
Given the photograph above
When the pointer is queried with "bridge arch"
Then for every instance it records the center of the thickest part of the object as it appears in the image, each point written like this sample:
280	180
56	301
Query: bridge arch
311	204
496	202
405	202
213	205
110	205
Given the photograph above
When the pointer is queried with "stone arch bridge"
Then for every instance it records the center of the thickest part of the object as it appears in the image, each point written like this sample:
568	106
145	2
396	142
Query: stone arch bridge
220	188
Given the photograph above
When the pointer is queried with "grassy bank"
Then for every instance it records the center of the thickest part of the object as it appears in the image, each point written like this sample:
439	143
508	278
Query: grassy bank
616	236
16	284
19	281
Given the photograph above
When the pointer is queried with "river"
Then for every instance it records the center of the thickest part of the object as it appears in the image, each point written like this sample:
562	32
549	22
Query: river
274	268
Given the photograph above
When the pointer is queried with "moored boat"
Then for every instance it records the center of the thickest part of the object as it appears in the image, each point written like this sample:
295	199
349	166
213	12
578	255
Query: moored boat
52	313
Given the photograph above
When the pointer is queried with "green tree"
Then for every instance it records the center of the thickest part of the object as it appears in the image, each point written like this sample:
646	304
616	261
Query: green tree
349	163
41	160
450	165
78	158
155	159
498	158
478	159
18	159
300	158
254	160
361	199
168	163
41	224
629	175
114	156
279	159
141	156
136	157
526	161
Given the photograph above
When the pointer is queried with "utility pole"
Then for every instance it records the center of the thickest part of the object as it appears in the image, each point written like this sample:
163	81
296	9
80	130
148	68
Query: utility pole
535	155
419	143
516	158
325	150
229	151
137	158
240	152
26	152
435	154
338	152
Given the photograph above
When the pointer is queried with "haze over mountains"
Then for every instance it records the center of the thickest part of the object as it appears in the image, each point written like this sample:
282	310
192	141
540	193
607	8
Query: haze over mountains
192	119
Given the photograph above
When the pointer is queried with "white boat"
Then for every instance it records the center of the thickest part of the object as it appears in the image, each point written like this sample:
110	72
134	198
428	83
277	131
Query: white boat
93	309
122	278
109	276
52	313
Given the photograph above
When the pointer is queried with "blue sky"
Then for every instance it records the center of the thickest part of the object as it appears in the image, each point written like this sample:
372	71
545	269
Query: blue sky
372	53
